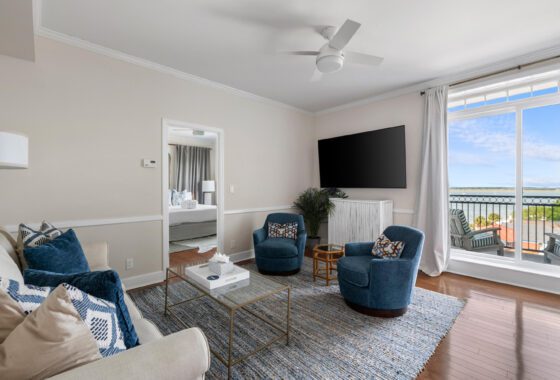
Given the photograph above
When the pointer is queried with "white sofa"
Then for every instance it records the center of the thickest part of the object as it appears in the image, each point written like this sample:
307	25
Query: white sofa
182	355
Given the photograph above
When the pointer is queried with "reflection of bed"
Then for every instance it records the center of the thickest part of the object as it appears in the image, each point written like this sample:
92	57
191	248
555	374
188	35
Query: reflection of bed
192	223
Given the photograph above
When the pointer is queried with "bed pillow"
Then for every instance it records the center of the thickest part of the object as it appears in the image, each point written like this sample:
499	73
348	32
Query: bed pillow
103	284
58	336
286	230
64	254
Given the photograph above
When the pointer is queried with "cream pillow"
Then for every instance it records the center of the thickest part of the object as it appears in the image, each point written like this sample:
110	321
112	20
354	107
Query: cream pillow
50	340
11	315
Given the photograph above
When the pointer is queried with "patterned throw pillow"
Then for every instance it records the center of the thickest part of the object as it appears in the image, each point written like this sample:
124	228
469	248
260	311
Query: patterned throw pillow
101	318
28	297
387	249
31	238
286	230
99	315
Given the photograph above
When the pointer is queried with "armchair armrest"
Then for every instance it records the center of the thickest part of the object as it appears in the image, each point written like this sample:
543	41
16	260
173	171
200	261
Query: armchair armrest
301	239
358	249
553	236
259	236
392	280
96	255
183	355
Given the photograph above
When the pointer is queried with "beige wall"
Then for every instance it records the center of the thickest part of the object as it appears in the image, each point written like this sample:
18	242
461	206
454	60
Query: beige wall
91	119
403	110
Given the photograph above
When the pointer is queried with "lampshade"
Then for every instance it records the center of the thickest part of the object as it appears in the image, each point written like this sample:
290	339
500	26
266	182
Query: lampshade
14	152
208	186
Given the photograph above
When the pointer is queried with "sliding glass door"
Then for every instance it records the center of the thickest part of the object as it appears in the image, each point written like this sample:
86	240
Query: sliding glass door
504	171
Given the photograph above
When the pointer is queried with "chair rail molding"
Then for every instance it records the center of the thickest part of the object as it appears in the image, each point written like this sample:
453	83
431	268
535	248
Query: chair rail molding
92	222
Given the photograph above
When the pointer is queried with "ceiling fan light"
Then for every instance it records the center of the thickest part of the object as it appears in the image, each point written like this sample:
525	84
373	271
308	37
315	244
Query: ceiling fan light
330	63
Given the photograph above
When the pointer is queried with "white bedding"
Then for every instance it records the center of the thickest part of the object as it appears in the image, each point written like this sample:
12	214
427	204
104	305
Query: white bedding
202	213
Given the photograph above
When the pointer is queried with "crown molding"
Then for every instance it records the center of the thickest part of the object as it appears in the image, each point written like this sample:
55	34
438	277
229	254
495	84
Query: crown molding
448	79
115	54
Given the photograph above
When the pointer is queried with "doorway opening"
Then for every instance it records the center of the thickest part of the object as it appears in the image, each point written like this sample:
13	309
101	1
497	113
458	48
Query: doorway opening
192	188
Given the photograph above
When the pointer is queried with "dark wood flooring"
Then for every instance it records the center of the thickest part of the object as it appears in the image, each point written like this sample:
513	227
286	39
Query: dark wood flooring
504	332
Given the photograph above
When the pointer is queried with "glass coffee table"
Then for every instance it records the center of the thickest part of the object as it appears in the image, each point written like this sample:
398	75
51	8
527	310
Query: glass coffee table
235	298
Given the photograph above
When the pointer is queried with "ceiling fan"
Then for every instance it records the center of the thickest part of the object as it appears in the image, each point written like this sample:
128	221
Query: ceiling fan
330	58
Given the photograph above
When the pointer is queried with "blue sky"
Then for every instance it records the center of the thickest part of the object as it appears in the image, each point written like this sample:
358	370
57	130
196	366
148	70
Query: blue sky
482	150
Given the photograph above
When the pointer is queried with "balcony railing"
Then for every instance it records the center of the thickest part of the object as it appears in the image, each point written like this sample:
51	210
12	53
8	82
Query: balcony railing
541	214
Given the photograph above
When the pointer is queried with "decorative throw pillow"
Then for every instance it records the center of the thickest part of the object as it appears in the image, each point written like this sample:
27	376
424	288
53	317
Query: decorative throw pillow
61	255
286	230
28	297
101	318
16	301
51	340
103	284
31	238
387	249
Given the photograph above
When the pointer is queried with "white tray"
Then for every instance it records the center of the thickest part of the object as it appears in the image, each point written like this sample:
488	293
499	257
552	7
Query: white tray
200	274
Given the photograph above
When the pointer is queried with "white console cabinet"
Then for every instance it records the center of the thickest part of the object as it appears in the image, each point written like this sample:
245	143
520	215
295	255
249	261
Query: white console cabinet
359	221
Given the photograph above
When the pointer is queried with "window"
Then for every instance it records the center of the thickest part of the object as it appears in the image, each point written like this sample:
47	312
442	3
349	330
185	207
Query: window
504	169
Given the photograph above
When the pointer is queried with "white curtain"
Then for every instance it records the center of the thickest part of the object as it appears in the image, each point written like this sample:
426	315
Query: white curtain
432	208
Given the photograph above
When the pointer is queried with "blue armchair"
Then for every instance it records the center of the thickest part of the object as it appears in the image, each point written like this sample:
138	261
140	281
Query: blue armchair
381	287
279	256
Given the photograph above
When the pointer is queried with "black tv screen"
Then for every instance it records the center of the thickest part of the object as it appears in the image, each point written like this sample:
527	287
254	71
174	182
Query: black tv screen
375	159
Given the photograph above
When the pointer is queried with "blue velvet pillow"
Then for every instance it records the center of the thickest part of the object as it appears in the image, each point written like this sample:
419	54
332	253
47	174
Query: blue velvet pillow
105	285
63	254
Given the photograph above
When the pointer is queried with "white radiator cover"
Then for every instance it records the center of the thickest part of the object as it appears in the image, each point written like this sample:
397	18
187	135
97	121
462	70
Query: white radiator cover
359	221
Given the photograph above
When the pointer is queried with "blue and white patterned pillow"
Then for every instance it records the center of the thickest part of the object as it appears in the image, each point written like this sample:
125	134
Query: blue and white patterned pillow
286	230
29	297
31	238
101	318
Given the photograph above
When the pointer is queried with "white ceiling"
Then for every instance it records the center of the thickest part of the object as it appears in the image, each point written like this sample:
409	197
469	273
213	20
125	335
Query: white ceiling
234	42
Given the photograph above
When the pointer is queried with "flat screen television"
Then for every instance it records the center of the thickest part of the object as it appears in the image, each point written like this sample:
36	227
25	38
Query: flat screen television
375	159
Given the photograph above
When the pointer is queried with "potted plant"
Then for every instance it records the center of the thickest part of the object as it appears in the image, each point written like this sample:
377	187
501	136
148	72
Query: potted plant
315	206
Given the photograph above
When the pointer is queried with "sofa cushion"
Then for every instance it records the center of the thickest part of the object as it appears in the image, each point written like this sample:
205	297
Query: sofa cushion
51	340
354	269
61	255
105	285
278	248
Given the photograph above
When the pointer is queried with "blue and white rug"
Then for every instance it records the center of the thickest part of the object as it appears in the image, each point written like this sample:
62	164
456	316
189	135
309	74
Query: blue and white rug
328	339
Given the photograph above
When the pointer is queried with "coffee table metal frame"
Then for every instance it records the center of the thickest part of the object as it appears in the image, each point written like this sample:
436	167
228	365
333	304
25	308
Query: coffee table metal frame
230	361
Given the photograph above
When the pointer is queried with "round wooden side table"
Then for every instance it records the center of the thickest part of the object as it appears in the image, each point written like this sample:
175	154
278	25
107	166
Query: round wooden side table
329	255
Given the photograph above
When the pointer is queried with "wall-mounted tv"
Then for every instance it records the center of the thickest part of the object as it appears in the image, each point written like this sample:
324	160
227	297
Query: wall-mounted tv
375	159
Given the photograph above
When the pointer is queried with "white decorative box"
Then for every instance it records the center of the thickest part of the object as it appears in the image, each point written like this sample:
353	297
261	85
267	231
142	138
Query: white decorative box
189	204
220	268
200	274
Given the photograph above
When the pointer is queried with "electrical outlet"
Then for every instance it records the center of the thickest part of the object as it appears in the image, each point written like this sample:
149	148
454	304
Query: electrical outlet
232	244
129	263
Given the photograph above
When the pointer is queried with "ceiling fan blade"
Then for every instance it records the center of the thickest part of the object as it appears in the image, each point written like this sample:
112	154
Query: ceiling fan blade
362	59
317	75
344	34
299	52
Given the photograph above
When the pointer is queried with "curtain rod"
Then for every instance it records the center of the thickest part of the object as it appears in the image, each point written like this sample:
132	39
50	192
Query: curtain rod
518	67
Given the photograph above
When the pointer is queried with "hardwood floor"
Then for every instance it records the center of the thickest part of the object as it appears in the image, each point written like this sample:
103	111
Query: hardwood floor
504	332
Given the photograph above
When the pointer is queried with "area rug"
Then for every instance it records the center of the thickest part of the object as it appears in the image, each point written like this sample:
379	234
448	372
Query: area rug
328	340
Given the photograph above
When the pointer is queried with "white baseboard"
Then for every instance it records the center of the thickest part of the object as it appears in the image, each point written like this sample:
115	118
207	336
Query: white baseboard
243	255
505	275
155	277
143	280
